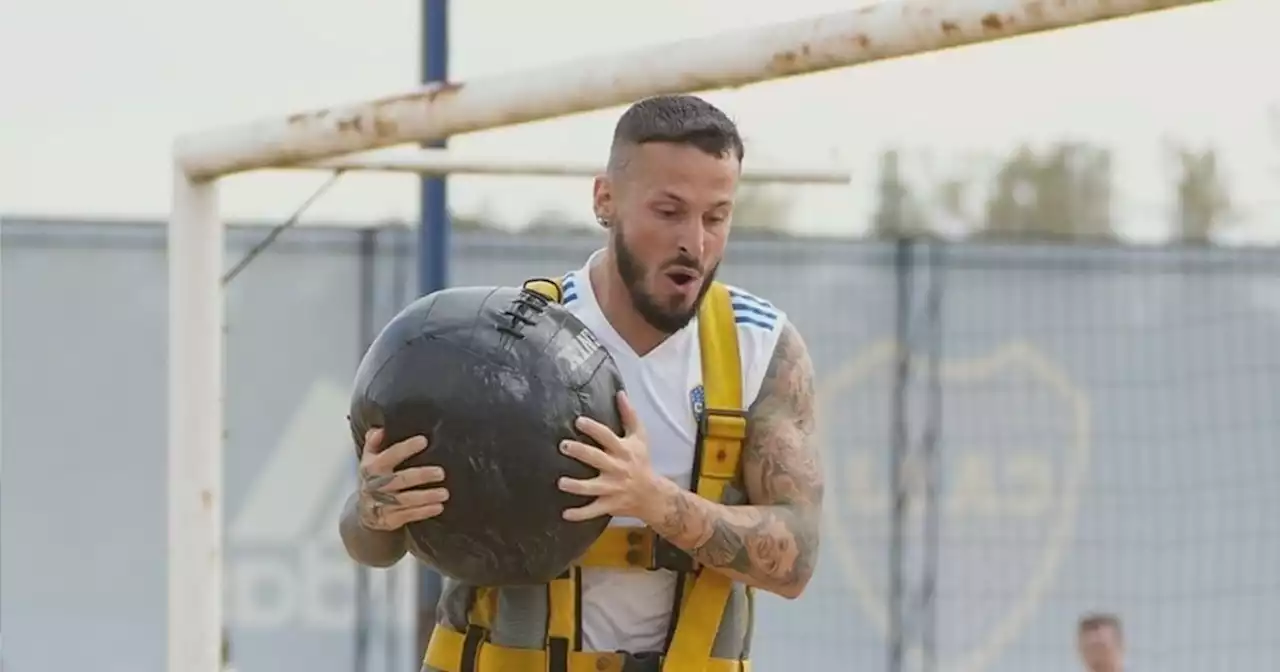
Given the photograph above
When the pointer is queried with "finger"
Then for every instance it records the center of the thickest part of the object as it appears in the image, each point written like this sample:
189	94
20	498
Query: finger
602	434
627	412
413	477
588	455
372	442
415	498
398	452
375	489
374	515
593	510
592	487
415	514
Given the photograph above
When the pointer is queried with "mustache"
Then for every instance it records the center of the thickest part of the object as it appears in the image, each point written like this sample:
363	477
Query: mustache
684	262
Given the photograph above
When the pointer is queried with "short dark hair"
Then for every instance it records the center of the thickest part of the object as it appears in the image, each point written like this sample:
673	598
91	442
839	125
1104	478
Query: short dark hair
1099	620
680	119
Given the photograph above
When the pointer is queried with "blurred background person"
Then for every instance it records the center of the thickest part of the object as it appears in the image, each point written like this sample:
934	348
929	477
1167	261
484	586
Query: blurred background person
1100	640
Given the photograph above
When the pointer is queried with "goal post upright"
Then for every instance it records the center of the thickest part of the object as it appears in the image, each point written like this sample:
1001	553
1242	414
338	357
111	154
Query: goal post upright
195	427
312	138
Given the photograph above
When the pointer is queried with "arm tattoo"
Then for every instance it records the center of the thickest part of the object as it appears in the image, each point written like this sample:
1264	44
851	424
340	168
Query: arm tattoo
366	546
374	483
361	520
772	543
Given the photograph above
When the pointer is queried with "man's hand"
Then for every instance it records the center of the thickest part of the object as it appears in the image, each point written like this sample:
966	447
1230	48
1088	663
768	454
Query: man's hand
626	485
385	501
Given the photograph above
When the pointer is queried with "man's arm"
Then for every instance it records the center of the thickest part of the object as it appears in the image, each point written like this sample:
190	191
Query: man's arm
374	548
771	544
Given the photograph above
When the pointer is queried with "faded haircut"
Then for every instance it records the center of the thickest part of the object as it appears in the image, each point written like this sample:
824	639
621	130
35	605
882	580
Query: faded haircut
678	119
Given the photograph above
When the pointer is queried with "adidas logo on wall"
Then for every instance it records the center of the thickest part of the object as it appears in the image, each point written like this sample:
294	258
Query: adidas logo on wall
286	568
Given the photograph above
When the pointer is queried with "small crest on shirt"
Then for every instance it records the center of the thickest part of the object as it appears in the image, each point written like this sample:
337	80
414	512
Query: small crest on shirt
698	401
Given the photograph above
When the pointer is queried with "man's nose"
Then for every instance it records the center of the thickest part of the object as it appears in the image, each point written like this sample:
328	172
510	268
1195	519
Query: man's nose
692	238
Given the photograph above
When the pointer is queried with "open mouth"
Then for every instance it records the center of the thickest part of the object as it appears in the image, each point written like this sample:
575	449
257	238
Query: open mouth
682	278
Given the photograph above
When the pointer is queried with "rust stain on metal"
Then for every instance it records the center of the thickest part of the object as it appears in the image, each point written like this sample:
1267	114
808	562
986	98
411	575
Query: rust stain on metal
949	28
790	60
784	61
383	127
374	118
427	95
862	41
992	23
349	124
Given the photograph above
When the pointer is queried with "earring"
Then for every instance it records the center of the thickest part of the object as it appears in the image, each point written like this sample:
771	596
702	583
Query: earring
604	223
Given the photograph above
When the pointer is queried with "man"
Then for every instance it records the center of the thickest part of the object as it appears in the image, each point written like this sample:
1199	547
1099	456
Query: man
1101	643
666	200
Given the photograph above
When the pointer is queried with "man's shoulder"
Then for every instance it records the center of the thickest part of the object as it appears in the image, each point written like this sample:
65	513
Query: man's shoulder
753	314
571	288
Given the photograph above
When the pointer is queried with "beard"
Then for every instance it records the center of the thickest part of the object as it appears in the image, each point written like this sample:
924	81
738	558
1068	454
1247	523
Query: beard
666	318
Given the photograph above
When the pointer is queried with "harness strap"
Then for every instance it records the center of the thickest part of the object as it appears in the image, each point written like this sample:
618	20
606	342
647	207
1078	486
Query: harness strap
446	646
723	428
563	636
635	548
480	617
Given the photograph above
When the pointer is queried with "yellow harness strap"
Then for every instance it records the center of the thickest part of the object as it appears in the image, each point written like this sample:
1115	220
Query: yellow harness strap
563	636
722	429
445	652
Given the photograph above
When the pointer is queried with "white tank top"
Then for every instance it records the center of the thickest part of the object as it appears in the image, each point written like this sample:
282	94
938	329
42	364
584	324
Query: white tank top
630	610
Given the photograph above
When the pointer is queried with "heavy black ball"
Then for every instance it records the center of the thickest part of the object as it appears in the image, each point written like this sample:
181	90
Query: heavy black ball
494	377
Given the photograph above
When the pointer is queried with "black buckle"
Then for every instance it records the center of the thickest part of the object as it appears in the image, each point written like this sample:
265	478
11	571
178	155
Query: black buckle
669	556
649	661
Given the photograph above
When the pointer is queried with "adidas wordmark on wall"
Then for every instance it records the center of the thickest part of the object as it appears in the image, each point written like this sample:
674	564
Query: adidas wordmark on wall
286	568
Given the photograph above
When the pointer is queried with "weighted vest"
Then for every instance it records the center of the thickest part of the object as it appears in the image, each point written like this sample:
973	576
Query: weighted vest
537	628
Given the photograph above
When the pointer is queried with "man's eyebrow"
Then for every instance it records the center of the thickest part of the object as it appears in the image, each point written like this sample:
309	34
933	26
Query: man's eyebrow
670	195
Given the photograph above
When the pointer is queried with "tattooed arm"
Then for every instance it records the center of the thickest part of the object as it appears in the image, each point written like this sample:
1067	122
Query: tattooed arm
373	520
771	544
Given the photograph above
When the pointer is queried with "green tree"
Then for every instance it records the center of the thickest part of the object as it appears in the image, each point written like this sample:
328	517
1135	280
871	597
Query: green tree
1203	204
1063	192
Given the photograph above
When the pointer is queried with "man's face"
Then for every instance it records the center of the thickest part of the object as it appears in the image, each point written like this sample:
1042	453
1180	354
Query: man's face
669	213
1101	650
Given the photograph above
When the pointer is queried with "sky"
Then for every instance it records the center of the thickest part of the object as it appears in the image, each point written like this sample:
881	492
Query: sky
92	94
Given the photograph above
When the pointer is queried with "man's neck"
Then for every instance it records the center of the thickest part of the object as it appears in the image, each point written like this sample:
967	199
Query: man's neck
615	302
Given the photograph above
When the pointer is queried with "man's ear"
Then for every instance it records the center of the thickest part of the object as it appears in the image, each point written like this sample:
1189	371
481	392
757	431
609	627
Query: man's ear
602	200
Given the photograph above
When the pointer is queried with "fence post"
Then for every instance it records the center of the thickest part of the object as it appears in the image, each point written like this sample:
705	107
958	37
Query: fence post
899	438
368	245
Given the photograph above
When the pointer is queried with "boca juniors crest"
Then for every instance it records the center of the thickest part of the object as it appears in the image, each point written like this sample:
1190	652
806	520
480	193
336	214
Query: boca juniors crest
1013	450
